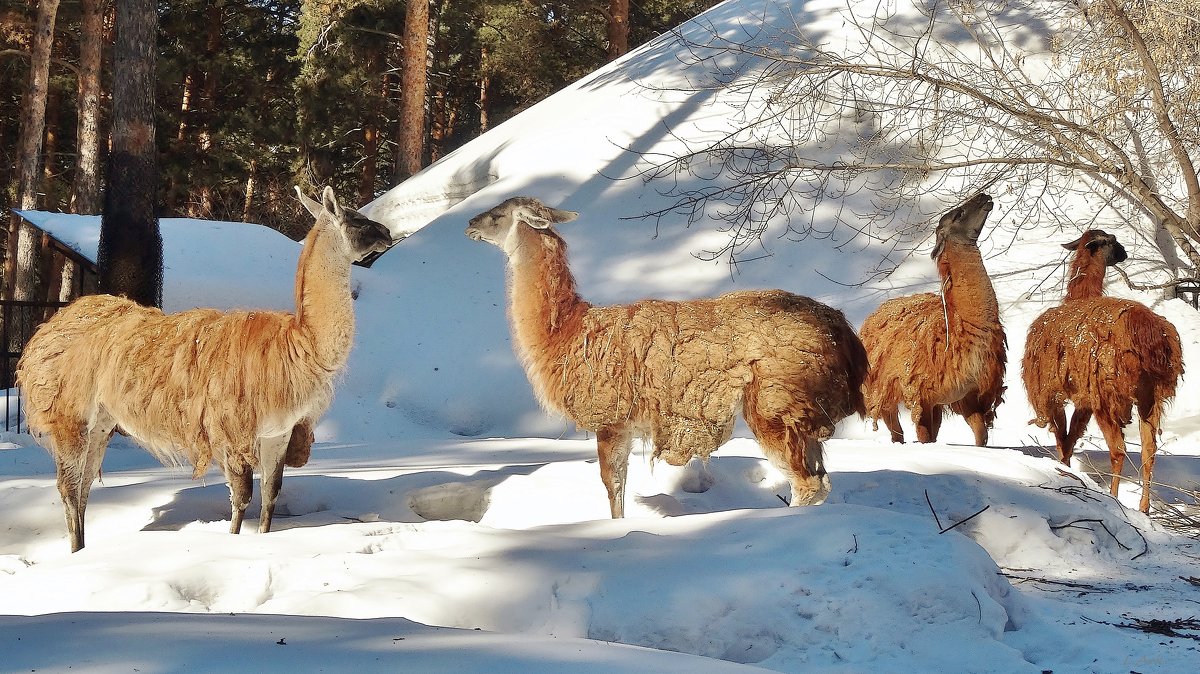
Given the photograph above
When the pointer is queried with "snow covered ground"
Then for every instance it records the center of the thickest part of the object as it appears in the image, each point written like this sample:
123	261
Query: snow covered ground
445	523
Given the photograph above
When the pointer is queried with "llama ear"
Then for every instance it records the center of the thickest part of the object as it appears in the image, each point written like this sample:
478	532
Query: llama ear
330	202
1073	245
312	206
531	216
938	245
558	215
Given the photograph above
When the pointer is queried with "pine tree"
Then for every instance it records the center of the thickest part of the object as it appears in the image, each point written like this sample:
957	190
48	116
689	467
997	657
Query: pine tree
130	255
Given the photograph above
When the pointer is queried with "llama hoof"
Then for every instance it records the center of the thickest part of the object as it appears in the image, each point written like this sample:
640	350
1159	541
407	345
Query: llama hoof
812	491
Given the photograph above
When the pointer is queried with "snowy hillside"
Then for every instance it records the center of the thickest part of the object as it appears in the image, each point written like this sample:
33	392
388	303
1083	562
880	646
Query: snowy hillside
445	523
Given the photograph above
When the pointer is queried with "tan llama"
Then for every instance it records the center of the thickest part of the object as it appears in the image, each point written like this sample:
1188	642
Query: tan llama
947	349
200	386
675	373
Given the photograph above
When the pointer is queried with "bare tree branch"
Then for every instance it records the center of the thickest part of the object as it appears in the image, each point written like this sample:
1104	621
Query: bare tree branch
917	107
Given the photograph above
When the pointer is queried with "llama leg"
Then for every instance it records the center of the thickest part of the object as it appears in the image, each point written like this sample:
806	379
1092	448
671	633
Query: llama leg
1079	422
1115	439
810	482
75	476
1149	449
972	410
299	444
613	445
1058	426
271	455
891	419
241	480
979	427
922	417
935	421
1149	416
799	457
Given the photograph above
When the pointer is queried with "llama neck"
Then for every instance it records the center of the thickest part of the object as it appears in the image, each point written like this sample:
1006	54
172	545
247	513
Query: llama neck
1085	276
966	288
542	297
324	307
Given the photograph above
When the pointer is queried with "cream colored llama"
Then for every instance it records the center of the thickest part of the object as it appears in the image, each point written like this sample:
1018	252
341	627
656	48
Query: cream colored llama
676	373
202	385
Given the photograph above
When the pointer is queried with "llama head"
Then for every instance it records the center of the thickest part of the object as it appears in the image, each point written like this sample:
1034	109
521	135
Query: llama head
1099	242
498	225
357	235
963	224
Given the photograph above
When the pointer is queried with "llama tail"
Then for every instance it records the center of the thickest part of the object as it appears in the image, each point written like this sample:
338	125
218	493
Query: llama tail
857	368
1156	345
299	445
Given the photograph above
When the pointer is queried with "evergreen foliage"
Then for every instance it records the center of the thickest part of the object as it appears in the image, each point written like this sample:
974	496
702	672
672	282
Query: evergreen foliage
255	96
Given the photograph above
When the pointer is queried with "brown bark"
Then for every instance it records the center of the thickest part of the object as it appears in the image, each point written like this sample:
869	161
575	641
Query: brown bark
85	190
50	151
19	267
185	100
410	146
130	255
370	133
618	28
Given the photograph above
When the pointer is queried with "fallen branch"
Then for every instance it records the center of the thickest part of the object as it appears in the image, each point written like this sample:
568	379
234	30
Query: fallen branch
1167	628
1067	473
1081	491
937	520
968	519
1090	520
1085	587
1181	518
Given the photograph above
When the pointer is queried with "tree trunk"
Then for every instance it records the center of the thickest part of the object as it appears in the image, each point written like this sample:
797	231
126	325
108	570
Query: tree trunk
85	191
48	188
370	131
251	186
618	28
130	255
410	147
485	84
20	267
176	199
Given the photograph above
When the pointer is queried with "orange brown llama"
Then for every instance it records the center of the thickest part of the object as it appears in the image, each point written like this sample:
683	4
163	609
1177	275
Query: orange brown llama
1103	355
675	373
935	350
238	388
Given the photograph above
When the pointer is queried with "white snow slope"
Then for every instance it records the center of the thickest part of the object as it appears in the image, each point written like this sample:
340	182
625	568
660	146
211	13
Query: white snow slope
445	523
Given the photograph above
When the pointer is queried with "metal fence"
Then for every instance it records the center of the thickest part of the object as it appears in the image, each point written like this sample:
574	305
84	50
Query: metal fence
1189	294
18	320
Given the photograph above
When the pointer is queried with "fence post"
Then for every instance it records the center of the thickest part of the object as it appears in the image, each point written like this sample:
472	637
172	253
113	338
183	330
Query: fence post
32	314
1192	292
